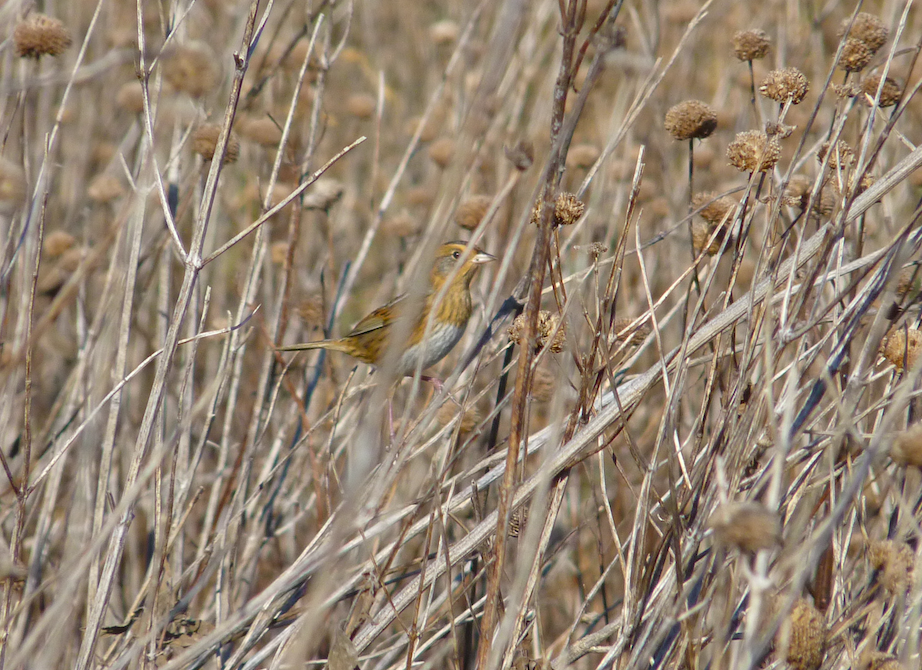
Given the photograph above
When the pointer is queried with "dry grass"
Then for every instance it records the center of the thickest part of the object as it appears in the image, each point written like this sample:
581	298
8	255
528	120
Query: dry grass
712	473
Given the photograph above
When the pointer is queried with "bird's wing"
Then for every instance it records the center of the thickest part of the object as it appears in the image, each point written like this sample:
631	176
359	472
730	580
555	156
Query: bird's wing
380	318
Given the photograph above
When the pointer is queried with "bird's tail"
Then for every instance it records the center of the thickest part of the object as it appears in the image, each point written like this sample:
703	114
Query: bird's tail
335	345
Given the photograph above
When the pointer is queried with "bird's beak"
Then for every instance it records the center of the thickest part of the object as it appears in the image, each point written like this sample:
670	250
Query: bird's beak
482	257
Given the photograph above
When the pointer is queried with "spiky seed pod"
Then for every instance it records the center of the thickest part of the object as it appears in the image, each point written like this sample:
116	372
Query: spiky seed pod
855	56
780	130
691	119
583	155
701	238
907	446
753	151
902	347
842	157
568	209
844	91
750	45
442	151
895	562
868	29
543	384
470	418
57	242
785	84
39	35
718	208
633	337
522	155
889	94
361	105
12	186
471	211
797	194
191	68
130	97
806	647
205	141
105	188
263	131
546	329
748	526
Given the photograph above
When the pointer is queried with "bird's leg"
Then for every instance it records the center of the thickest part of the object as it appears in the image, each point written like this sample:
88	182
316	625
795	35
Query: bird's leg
439	386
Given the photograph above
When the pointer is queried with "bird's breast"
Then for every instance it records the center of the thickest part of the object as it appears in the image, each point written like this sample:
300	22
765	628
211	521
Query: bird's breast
442	339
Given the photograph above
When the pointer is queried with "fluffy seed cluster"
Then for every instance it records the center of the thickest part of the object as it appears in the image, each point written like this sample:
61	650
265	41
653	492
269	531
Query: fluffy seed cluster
780	130
442	151
867	28
105	188
909	281
786	84
748	526
842	156
806	647
40	35
750	45
522	155
262	130
797	194
855	55
877	660
472	210
205	141
753	151
583	155
550	329
567	209
902	347
625	332
716	208
691	119
907	446
361	105
889	94
130	97
470	417
894	562
191	68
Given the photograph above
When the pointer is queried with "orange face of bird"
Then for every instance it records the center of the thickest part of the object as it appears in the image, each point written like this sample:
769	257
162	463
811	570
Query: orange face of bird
454	255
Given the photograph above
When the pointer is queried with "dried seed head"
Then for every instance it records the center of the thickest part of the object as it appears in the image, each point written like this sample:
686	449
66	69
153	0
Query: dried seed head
877	660
717	209
361	105
748	526
909	281
855	55
543	384
691	119
442	151
842	157
868	29
205	141
12	186
889	94
130	97
56	243
402	224
53	277
264	131
278	252
583	155
894	561
797	194
702	240
471	211
806	644
780	130
753	151
522	155
785	84
843	91
39	35
624	330
750	45
105	188
902	347
191	68
310	310
470	418
322	194
444	32
907	446
547	328
567	209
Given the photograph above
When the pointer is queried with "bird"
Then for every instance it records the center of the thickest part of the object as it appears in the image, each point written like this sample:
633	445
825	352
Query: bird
369	339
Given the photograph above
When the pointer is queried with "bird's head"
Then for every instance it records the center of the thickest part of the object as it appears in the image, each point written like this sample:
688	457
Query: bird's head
453	255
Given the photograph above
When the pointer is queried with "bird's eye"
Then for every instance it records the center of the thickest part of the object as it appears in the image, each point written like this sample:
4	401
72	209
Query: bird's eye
456	255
